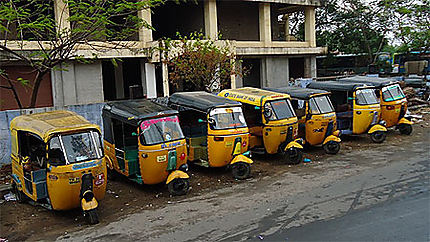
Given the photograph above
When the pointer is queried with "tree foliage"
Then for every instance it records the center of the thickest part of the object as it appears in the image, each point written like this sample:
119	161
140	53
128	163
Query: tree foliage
197	63
91	21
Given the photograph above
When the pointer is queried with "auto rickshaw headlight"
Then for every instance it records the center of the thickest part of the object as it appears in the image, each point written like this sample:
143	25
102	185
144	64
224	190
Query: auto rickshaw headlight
382	122
184	168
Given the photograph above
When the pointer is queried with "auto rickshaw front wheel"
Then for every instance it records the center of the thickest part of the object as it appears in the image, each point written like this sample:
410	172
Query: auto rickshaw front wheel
405	129
92	216
293	155
241	170
178	186
20	196
331	147
378	136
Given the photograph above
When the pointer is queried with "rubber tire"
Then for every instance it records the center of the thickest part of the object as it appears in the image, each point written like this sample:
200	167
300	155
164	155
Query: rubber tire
92	216
378	136
295	159
178	186
112	174
331	147
405	129
241	170
20	196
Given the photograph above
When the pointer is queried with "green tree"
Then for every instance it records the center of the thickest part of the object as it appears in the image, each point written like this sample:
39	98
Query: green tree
197	63
32	21
353	26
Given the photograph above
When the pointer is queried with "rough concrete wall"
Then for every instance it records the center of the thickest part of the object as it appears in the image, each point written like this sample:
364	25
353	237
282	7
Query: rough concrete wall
274	71
77	83
238	20
91	112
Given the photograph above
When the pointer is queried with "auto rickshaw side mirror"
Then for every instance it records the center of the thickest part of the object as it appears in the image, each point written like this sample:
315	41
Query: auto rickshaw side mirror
134	134
201	120
257	107
350	98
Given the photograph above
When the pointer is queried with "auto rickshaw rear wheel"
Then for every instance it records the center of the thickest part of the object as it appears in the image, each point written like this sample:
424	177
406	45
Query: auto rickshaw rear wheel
241	170
92	216
405	129
293	155
331	147
178	186
378	136
20	196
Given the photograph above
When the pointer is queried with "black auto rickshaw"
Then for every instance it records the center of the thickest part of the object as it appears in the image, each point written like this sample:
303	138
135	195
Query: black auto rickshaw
316	115
393	101
144	142
357	108
216	131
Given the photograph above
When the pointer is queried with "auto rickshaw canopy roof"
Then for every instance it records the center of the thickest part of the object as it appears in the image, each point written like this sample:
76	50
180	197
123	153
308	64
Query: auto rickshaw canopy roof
252	96
133	111
374	81
338	86
49	123
201	101
298	92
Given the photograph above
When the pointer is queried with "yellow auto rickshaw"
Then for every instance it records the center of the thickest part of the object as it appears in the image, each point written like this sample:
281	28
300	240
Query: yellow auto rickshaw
317	118
58	162
216	131
393	101
357	108
271	121
144	142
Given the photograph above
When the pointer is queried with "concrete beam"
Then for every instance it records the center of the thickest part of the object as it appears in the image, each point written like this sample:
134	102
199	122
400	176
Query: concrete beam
265	23
255	51
211	19
145	34
294	2
310	36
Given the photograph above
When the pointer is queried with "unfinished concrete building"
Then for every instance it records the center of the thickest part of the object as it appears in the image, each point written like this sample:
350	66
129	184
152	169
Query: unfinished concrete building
258	31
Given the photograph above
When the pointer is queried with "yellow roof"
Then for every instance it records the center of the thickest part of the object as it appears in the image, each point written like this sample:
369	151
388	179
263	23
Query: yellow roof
251	95
48	123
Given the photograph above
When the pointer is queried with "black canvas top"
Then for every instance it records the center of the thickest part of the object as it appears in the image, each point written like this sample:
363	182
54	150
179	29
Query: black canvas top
201	101
374	81
298	92
336	85
132	111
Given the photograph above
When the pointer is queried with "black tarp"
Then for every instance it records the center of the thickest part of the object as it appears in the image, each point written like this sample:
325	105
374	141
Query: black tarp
132	111
201	101
297	92
374	81
336	85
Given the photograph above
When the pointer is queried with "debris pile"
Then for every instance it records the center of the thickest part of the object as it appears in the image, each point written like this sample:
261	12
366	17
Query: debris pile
416	99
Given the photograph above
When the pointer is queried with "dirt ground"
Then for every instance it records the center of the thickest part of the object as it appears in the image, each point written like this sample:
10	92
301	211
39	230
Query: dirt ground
26	222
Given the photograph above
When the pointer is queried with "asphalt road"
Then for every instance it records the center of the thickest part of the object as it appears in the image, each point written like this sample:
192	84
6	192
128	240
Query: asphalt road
379	193
405	218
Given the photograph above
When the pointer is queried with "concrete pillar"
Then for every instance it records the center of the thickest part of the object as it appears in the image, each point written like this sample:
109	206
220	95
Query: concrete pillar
274	71
151	82
238	78
61	12
165	75
310	67
211	21
265	23
310	26
145	34
119	81
287	26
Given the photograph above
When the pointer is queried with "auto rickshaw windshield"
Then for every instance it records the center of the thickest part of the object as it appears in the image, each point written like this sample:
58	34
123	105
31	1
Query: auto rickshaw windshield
366	96
74	148
281	109
160	130
320	105
392	93
227	118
